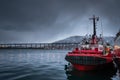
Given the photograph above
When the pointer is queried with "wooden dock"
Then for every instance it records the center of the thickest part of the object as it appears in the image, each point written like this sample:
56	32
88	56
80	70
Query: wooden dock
39	46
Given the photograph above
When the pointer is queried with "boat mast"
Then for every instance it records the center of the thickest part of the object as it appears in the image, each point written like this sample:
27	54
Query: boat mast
94	24
94	18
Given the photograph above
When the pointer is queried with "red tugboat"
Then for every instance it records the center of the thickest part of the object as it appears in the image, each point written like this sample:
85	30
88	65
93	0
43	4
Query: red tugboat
93	54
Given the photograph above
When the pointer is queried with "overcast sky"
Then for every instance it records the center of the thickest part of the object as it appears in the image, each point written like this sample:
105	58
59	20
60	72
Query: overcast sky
51	20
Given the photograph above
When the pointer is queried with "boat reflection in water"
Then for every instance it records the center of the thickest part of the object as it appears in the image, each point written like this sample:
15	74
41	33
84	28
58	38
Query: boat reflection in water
111	73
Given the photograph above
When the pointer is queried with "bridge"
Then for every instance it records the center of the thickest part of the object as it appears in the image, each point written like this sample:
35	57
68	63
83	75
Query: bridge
50	46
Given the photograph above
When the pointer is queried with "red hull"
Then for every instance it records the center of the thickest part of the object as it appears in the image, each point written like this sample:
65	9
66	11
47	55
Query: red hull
86	62
91	67
84	67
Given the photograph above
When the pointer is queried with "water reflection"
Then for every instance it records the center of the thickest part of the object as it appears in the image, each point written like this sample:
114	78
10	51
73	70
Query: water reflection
108	74
117	76
44	65
32	64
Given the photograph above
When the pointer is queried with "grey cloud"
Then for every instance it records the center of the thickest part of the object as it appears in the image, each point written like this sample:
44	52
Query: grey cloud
47	20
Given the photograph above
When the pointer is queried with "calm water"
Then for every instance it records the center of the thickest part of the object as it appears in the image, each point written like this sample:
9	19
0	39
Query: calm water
29	64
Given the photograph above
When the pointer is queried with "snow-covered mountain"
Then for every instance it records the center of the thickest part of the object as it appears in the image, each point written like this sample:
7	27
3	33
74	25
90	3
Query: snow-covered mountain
78	39
72	39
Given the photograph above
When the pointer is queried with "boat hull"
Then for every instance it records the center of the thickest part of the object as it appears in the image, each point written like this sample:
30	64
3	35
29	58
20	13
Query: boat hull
85	62
92	67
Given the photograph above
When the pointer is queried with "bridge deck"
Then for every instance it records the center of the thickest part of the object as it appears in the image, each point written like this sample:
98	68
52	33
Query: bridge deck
39	46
